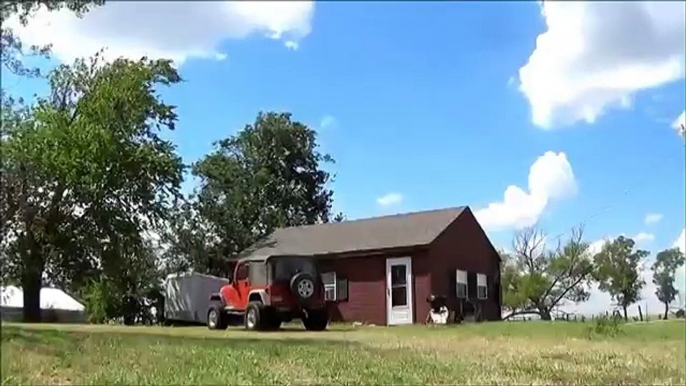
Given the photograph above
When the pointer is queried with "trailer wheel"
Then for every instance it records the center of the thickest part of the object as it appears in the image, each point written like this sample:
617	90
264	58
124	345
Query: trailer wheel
216	319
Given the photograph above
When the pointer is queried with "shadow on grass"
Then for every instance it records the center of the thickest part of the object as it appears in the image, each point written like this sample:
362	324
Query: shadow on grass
229	338
28	336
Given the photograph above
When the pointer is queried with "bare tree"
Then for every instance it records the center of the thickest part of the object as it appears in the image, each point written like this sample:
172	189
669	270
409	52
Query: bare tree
538	279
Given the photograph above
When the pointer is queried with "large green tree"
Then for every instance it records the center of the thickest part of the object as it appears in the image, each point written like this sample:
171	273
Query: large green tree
85	173
618	271
536	279
664	271
268	175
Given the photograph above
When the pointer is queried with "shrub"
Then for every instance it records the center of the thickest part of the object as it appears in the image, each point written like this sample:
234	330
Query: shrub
97	297
605	326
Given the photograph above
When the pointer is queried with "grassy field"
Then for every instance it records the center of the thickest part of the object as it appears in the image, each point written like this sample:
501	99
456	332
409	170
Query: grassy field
487	353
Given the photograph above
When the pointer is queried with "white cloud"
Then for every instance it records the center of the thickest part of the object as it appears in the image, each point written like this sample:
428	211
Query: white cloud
550	178
653	218
292	45
643	237
327	121
597	55
680	124
595	247
390	199
173	30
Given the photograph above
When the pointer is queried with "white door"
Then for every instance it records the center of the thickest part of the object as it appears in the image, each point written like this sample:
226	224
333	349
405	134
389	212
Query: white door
399	290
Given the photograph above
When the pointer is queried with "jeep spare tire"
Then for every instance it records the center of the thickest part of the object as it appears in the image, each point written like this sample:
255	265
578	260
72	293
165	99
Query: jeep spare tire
302	286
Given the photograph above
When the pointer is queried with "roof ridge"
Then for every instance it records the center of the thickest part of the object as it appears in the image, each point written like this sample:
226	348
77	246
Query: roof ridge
387	216
394	230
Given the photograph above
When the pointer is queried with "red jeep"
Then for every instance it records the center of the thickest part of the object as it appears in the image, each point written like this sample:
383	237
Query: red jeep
267	292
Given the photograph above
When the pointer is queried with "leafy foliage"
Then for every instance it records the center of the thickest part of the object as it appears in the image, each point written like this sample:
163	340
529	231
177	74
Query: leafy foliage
535	279
618	271
664	271
85	176
128	289
267	176
514	297
85	172
605	326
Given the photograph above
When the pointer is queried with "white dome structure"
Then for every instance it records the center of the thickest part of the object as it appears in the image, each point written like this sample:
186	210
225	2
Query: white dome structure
57	305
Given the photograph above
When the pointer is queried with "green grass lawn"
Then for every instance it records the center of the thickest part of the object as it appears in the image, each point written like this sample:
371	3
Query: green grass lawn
486	353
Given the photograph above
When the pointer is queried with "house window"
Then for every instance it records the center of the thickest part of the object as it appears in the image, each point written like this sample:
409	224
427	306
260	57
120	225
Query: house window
329	280
461	283
481	288
335	287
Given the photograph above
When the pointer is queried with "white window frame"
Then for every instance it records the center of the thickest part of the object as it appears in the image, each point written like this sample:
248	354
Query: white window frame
461	279
330	286
481	283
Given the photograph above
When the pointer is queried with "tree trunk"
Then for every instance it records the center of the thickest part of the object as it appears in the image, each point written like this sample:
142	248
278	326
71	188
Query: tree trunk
666	311
31	284
544	313
626	317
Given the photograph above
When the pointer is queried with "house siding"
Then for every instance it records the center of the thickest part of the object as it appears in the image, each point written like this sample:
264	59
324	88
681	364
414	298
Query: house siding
366	302
422	285
464	245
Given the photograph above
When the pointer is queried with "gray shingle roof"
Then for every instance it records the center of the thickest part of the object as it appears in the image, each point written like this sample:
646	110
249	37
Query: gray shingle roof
401	230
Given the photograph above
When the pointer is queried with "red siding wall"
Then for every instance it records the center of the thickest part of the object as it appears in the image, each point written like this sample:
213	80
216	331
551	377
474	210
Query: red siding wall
366	290
464	245
367	287
422	285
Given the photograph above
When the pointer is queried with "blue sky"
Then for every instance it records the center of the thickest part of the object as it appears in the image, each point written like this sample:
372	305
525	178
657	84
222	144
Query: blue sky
430	105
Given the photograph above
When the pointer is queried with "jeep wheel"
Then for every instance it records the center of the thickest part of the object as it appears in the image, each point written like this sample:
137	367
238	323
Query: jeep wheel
255	316
216	319
316	320
272	321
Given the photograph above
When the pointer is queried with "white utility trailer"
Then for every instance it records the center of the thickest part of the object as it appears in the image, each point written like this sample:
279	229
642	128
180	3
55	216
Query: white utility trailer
187	296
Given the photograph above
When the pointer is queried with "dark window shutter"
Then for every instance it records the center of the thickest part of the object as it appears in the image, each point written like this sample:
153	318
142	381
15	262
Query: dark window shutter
471	285
452	283
341	288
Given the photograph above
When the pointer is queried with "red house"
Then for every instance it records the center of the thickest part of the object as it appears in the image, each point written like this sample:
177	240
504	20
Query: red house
382	270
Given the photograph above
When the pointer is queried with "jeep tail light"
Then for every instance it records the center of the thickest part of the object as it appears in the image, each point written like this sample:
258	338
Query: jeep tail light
278	293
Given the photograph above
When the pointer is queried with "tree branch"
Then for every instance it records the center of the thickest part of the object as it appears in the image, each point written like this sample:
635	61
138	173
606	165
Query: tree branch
523	312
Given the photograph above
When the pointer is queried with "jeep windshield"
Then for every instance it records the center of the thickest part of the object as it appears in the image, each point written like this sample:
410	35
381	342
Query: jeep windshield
284	268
